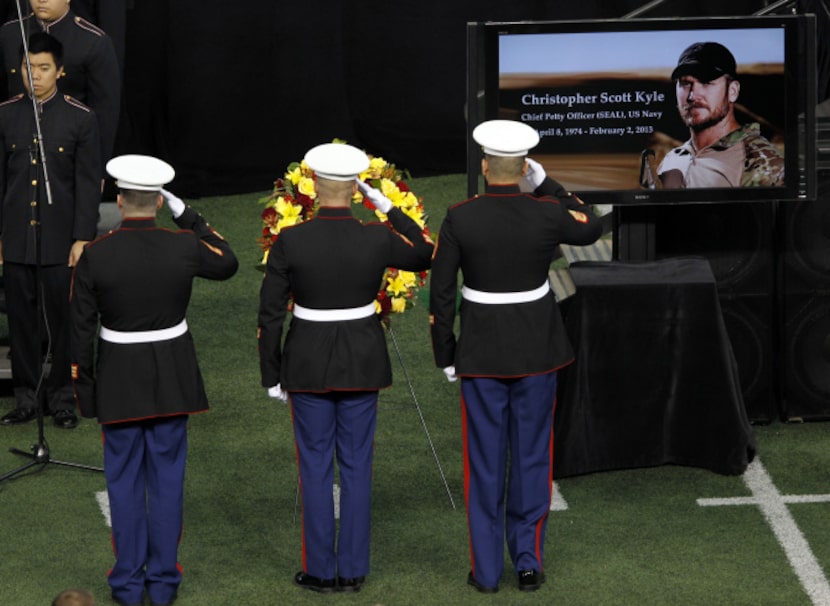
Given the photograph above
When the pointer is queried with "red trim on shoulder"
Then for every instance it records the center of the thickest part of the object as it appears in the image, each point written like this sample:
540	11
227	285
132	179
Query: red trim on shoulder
14	99
90	27
74	102
99	238
474	198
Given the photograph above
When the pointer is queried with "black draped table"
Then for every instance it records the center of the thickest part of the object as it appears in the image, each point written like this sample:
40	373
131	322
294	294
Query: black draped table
654	380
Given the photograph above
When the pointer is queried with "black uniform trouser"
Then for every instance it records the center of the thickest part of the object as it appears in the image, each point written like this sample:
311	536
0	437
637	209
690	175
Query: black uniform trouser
30	338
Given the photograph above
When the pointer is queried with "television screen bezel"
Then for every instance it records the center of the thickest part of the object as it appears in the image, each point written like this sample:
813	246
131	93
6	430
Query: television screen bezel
800	120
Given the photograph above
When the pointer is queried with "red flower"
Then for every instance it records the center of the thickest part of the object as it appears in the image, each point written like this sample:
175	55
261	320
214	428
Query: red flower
269	216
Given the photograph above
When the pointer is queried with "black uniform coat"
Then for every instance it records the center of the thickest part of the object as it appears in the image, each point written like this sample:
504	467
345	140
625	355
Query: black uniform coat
332	262
90	64
138	278
70	139
504	241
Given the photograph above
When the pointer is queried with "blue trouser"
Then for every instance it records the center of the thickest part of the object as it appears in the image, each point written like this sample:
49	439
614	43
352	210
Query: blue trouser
144	466
497	415
324	423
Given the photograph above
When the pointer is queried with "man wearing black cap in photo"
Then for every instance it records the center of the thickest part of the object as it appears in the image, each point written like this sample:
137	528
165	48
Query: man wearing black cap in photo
512	343
720	152
334	359
136	282
43	230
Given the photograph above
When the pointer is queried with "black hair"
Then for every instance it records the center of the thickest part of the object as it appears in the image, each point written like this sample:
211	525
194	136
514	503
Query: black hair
41	42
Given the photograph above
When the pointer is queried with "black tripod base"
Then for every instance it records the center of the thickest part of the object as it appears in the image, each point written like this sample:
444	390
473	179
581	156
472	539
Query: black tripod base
40	456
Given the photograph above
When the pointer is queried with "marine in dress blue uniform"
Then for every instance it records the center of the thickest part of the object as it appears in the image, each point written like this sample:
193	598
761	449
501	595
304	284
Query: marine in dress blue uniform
512	342
334	359
136	281
42	234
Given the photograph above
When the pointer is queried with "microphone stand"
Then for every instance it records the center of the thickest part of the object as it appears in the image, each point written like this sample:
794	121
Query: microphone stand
39	452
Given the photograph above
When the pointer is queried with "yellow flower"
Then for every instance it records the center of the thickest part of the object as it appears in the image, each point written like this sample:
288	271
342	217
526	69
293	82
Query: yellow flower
286	208
396	285
408	200
287	222
306	186
398	305
415	214
408	278
375	170
294	175
388	187
396	196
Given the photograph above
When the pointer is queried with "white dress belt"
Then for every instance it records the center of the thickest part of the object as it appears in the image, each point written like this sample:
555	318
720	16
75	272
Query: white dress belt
143	336
334	315
502	298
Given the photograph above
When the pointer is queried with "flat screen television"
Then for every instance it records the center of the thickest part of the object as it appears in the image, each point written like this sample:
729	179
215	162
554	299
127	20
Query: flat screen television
601	95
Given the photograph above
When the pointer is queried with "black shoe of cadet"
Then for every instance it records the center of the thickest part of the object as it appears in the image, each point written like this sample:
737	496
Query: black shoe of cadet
18	416
65	419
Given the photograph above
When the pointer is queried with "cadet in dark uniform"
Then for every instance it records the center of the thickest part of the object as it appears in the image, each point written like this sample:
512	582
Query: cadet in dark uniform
91	70
67	221
137	282
512	343
334	359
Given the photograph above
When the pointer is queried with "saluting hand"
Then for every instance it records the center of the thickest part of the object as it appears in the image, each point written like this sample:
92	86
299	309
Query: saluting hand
376	197
535	174
174	203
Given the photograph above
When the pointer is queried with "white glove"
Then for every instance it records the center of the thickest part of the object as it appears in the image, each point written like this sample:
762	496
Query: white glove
278	393
174	203
449	372
535	173
381	202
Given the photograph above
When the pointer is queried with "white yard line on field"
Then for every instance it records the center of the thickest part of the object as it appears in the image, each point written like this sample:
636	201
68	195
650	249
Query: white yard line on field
774	509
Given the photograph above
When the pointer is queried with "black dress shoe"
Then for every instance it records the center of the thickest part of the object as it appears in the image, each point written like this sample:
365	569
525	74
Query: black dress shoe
471	580
530	580
306	581
123	603
350	585
18	415
65	419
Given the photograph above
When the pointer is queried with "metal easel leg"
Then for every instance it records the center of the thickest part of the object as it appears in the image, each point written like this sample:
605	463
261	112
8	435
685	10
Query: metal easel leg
420	415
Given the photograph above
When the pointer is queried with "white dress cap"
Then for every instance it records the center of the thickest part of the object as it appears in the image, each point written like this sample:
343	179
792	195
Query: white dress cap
144	173
337	161
505	138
